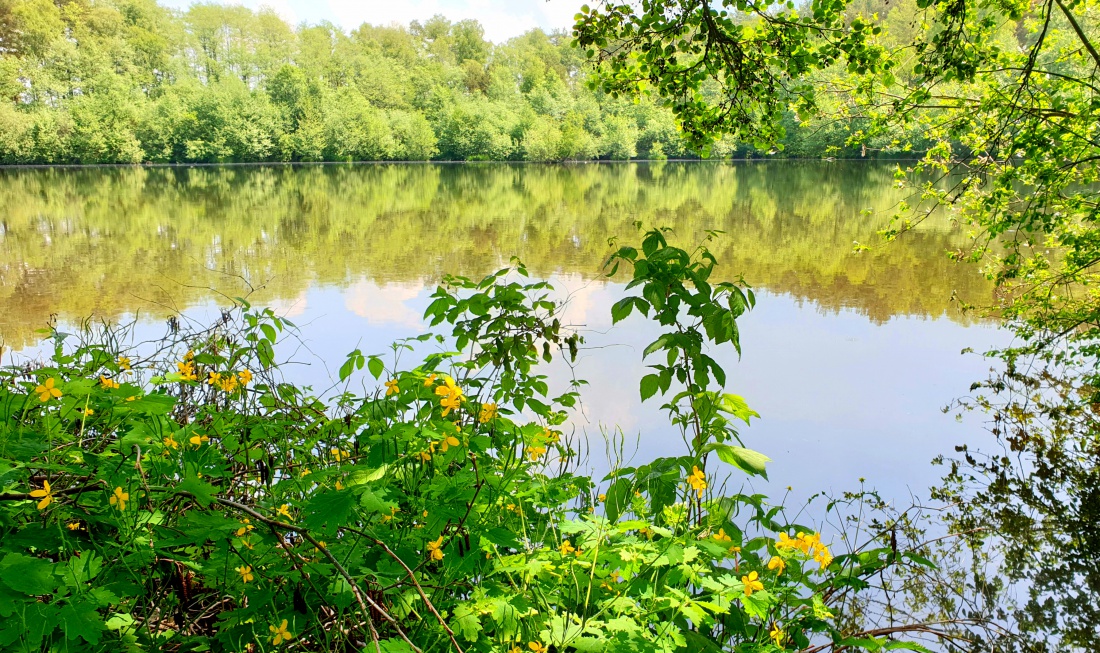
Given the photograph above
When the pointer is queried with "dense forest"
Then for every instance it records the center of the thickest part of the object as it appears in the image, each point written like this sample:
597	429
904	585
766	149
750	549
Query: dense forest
129	81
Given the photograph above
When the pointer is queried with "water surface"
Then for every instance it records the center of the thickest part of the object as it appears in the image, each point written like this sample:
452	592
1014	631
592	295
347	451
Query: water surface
849	356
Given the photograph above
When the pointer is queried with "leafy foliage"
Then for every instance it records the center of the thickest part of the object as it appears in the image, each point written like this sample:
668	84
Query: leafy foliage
186	497
1006	99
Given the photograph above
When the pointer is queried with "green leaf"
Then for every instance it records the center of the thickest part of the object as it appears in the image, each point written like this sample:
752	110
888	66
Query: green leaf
466	623
736	406
31	576
749	461
328	510
621	309
905	646
649	385
202	491
618	498
82	620
375	366
663	342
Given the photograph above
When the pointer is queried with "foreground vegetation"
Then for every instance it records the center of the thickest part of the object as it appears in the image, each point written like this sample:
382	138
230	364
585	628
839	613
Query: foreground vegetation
182	496
1007	94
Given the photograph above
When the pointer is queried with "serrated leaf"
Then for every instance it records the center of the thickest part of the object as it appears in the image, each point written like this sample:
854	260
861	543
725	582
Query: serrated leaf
649	385
326	511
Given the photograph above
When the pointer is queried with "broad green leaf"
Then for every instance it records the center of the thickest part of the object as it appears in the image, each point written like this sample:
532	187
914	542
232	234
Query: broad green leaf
31	576
749	461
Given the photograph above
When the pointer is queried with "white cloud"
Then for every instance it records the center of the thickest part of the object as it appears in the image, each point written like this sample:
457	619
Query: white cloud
385	305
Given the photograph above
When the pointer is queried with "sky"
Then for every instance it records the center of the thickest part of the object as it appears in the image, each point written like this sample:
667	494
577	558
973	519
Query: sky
502	19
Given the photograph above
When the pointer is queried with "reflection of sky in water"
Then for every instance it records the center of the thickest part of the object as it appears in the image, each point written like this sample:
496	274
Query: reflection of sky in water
840	397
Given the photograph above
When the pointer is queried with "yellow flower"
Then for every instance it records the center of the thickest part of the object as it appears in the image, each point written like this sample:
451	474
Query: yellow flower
785	542
488	412
47	391
776	634
429	380
777	564
450	403
246	527
616	576
171	443
198	439
187	369
124	362
537	647
339	454
566	548
246	575
73	526
602	498
281	634
109	384
339	485
228	384
284	510
305	472
215	378
823	557
697	480
752	584
131	398
391	387
46	494
549	436
450	441
434	552
515	649
88	412
449	389
119	498
534	453
245	376
425	456
721	536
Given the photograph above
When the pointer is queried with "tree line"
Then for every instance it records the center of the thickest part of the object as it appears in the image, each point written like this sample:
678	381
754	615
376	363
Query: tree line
130	81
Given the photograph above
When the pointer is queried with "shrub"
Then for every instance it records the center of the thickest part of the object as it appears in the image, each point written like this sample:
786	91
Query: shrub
182	496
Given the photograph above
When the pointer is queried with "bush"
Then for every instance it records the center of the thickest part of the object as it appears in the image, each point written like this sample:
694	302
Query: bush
182	496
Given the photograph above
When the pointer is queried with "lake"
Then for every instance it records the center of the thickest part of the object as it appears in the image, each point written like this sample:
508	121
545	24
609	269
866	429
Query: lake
849	357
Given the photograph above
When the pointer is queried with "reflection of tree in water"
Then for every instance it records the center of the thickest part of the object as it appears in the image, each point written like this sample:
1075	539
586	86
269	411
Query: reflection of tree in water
1033	501
78	242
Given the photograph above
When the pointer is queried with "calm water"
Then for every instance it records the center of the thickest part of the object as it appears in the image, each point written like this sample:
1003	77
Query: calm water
849	356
